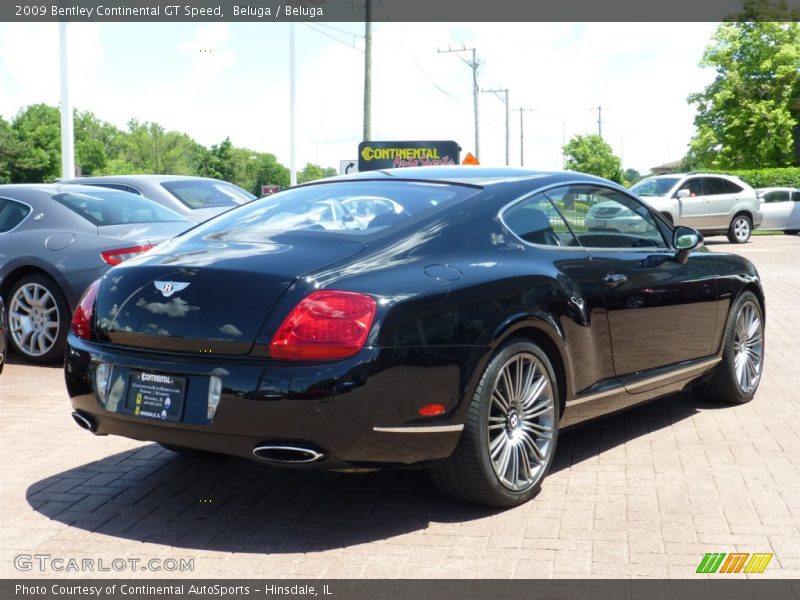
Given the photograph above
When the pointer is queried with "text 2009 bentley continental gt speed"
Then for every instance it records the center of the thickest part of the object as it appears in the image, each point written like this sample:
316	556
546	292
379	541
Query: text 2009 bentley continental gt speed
458	331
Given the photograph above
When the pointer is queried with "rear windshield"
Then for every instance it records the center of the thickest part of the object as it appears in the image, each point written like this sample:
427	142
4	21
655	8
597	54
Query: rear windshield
350	208
654	186
110	207
199	193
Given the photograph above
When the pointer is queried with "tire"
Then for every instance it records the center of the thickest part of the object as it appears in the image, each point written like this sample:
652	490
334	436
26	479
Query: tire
38	319
744	345
190	452
476	474
740	229
791	231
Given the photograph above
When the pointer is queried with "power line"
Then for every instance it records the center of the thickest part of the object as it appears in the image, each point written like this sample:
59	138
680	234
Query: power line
416	64
328	35
340	30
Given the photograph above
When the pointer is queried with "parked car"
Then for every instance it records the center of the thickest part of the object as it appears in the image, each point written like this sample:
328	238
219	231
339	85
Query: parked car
54	241
781	209
3	343
612	215
460	335
711	203
195	198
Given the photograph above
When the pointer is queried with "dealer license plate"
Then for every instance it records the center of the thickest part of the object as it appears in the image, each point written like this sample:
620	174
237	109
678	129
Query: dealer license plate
156	396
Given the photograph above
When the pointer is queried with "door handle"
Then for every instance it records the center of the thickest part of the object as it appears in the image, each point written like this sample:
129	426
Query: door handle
614	279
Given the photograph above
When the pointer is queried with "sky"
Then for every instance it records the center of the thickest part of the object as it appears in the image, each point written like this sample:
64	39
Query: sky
217	80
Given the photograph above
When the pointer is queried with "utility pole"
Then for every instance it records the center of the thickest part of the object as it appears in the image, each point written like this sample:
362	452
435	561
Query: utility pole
522	135
504	99
473	64
292	107
367	70
67	125
599	110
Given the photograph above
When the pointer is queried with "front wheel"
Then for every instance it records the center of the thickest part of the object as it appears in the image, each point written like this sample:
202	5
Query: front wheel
740	229
510	432
737	376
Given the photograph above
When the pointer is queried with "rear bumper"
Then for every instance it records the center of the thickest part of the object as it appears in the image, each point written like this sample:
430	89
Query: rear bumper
360	413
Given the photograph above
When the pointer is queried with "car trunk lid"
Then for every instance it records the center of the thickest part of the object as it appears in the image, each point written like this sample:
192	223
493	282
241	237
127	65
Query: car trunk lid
204	297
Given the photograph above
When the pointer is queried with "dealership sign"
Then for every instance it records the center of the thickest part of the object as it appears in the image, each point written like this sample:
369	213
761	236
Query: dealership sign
393	155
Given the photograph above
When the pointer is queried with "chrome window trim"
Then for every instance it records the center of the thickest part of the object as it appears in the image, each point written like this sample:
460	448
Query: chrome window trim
501	212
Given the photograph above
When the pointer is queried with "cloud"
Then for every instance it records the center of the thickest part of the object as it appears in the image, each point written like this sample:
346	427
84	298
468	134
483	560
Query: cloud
177	307
230	330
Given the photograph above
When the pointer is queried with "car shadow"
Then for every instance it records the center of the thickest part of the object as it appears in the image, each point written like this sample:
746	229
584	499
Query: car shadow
225	504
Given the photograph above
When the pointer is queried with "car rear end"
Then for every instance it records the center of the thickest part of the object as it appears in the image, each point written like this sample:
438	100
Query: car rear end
223	340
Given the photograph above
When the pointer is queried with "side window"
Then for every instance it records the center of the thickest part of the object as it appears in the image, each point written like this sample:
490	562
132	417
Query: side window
777	196
796	196
694	187
731	187
536	221
713	186
606	218
11	214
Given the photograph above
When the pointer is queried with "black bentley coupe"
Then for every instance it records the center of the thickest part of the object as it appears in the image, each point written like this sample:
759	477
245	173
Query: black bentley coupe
451	318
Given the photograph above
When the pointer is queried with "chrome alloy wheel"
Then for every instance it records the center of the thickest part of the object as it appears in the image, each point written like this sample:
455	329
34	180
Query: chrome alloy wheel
741	229
520	423
33	319
748	347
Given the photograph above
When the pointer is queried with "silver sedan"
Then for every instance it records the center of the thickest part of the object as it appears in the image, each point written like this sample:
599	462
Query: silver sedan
54	241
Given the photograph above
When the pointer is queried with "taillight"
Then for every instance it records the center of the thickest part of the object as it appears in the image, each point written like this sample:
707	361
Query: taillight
82	319
325	325
114	257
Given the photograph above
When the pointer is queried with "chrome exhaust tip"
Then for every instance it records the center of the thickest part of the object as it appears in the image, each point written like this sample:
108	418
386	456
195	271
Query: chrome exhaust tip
287	454
84	421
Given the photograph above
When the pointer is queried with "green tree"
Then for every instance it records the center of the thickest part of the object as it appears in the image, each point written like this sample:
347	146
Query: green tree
38	127
748	116
18	159
591	154
631	176
312	172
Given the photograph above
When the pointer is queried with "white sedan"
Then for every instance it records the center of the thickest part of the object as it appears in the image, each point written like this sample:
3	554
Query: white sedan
780	207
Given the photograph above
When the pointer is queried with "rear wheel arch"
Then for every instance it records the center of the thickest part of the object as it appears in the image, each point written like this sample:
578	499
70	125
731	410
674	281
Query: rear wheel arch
540	333
22	271
758	293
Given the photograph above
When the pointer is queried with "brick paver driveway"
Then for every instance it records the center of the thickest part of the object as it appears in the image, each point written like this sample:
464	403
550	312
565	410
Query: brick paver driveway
646	493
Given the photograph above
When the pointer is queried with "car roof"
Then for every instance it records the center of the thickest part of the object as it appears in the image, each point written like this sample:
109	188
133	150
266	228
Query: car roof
467	174
138	178
693	174
50	188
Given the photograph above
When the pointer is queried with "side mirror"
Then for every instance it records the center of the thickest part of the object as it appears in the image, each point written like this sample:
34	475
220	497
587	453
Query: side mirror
685	239
682	194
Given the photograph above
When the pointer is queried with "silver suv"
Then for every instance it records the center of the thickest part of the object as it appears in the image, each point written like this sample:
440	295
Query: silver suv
711	203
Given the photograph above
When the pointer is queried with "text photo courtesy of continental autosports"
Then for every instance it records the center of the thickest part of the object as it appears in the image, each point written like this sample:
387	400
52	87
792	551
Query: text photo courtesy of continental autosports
306	294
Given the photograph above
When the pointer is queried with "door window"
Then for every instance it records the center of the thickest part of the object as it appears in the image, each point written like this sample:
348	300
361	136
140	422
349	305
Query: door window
694	186
603	217
536	221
